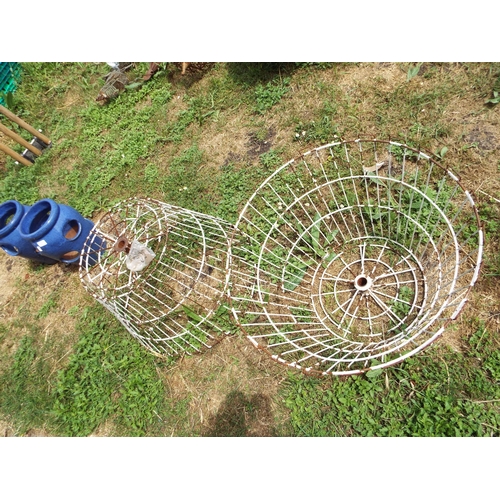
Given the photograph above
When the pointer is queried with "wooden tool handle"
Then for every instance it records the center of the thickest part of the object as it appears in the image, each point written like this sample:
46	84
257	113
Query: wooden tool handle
22	123
15	155
19	140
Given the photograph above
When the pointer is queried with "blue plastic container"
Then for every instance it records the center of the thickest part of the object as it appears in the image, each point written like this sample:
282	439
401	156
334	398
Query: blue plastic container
56	231
11	241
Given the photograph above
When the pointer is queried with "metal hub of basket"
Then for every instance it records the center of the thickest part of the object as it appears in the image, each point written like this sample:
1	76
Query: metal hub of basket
161	270
357	255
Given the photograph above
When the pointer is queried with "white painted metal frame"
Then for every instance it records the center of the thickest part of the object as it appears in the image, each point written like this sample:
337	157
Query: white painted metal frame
357	255
170	305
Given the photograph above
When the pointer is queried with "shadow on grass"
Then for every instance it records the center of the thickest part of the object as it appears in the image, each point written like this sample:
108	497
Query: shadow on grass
253	73
240	415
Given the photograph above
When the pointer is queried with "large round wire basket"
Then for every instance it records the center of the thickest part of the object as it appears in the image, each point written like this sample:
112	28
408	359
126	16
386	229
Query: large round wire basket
357	255
161	270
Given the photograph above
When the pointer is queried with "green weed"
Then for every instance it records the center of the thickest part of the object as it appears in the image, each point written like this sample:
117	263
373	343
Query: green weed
186	185
109	376
21	184
234	189
48	305
151	173
443	393
320	132
266	96
439	154
495	99
25	396
8	99
495	93
413	72
270	160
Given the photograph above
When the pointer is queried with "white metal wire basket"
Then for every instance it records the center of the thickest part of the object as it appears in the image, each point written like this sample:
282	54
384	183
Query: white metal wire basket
161	270
357	255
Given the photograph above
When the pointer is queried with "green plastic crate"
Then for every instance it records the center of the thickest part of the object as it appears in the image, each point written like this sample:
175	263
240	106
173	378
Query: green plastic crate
10	76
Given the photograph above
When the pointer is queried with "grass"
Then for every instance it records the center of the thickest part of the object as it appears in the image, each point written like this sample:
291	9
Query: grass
24	394
439	393
108	378
204	142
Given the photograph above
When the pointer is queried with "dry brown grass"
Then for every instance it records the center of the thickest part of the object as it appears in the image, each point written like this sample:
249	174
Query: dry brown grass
231	390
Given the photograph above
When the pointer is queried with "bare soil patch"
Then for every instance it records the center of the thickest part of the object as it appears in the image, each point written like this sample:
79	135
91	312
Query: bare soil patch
26	289
11	270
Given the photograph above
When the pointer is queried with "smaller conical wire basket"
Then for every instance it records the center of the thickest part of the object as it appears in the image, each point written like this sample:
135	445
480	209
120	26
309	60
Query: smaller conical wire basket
162	271
357	255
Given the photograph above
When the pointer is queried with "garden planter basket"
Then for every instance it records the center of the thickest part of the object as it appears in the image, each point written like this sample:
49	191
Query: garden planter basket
357	255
